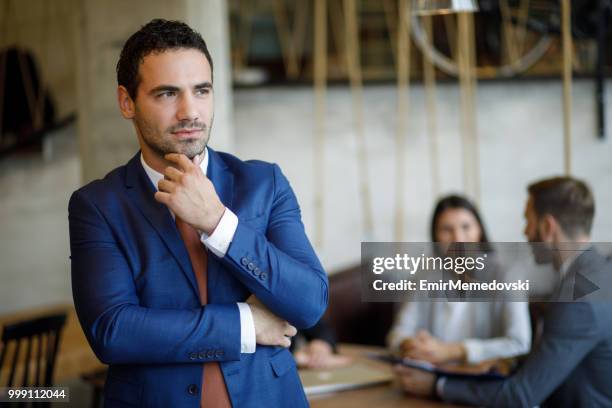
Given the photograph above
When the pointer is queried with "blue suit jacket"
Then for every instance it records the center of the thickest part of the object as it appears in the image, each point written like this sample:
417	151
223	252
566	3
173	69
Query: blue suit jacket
137	298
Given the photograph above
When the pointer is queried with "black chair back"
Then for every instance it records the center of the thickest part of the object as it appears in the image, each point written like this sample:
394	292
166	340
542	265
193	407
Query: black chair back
355	321
41	334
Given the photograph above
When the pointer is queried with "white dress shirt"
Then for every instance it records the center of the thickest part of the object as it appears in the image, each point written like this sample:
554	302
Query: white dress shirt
486	329
218	242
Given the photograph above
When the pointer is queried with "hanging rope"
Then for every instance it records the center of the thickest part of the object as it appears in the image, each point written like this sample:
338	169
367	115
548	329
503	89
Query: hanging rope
472	117
567	84
403	83
354	70
320	82
429	76
466	62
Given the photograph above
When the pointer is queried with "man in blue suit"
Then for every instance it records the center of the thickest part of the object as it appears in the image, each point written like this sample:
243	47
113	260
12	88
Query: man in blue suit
167	249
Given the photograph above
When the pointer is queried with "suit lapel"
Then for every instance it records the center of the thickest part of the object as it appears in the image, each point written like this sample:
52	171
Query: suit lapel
141	191
223	180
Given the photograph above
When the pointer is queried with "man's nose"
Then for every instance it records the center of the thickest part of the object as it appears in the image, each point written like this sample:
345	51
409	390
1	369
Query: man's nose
187	109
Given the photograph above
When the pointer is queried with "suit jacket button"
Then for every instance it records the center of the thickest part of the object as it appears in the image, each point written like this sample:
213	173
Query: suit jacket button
192	389
256	271
263	276
244	261
193	356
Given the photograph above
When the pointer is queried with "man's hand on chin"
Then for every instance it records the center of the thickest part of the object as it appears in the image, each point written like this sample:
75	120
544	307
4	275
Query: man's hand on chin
189	194
416	382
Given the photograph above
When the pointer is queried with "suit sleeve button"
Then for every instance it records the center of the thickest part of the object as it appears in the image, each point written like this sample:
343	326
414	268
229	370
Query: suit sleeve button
257	272
263	276
244	261
193	356
192	389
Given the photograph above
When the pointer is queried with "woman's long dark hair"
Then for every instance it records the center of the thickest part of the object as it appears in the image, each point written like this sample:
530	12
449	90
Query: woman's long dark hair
456	202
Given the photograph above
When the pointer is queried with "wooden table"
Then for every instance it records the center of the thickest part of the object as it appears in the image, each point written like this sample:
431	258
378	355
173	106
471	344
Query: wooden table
380	396
75	357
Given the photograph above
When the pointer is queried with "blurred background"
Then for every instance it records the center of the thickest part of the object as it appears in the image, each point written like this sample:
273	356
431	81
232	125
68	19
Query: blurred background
373	113
368	150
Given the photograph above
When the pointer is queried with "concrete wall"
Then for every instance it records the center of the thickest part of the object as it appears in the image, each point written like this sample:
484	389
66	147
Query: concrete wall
520	140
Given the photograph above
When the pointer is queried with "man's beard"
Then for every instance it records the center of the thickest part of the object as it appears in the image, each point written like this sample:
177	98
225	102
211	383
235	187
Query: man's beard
542	252
164	145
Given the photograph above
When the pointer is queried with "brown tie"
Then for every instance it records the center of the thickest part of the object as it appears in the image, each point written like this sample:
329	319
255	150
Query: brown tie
214	391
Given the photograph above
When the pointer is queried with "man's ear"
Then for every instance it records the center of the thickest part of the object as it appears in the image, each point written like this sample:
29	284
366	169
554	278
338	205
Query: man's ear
126	104
549	228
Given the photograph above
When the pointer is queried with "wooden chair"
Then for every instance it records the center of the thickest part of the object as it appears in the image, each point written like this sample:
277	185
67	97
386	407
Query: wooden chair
41	334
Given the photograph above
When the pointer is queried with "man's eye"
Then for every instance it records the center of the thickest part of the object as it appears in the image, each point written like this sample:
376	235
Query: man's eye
166	94
202	91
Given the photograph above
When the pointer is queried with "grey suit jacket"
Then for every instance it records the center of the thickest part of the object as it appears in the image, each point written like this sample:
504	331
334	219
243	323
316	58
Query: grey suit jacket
572	364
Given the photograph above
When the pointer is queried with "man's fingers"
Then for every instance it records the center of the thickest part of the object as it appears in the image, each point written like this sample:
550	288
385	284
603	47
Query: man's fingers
172	173
166	186
197	160
180	159
162	197
290	330
286	342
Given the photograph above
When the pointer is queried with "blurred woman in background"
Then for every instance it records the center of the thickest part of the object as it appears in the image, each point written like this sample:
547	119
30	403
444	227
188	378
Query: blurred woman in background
461	332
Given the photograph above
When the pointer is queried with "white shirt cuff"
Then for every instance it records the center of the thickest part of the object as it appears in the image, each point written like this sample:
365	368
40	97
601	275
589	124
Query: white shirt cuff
247	329
440	387
221	238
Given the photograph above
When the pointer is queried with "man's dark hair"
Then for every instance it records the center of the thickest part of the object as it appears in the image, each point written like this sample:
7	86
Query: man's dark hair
568	200
155	37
